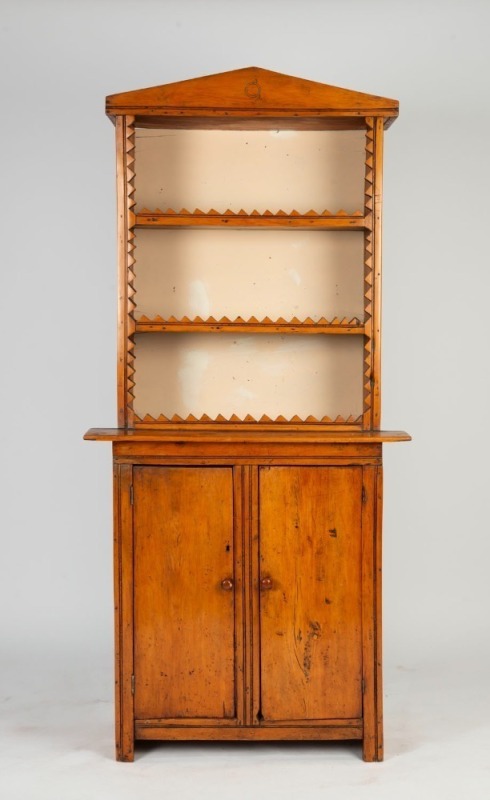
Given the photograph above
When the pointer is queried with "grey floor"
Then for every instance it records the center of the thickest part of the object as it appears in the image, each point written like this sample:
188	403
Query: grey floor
56	741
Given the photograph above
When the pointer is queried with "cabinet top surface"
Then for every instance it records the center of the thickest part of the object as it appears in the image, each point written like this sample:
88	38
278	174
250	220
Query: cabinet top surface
250	97
333	437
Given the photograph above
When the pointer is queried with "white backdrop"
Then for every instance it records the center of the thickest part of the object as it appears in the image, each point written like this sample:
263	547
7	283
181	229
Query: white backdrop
58	304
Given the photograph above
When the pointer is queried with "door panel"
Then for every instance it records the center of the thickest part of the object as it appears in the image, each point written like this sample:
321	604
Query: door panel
310	617
184	617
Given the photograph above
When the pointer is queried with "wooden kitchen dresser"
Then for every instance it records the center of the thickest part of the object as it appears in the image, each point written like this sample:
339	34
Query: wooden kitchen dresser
248	465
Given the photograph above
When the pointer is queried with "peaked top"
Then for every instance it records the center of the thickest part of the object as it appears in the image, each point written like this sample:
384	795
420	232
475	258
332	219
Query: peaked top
251	97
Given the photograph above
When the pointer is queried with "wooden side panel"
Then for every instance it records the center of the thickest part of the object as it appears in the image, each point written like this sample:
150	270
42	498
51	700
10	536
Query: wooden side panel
125	274
378	211
371	615
368	275
378	572
310	617
123	608
372	273
184	615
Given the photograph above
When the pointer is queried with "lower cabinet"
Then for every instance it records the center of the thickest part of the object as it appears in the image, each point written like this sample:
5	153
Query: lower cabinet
246	603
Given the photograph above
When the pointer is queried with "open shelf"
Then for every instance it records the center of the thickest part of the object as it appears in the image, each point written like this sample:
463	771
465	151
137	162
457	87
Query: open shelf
337	326
312	220
248	377
264	419
238	169
240	274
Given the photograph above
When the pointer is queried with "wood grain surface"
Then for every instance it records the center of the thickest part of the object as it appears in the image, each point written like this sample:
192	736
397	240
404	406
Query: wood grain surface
184	612
249	95
310	606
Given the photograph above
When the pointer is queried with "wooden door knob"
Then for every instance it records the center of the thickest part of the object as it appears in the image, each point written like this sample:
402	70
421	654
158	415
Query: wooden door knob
227	584
266	583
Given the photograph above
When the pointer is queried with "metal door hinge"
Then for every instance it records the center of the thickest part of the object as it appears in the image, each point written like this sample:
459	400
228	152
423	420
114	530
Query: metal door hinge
363	686
131	494
132	684
364	494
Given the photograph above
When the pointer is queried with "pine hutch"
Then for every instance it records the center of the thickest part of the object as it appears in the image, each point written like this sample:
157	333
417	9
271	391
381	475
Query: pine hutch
248	453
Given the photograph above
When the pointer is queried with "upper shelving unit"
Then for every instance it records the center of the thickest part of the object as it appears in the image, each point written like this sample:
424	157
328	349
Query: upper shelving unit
293	169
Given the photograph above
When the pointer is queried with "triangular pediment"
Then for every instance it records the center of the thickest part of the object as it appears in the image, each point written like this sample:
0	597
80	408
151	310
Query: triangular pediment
250	90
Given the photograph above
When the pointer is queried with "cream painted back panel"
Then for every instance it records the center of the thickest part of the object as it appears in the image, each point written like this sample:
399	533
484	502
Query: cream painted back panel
249	273
187	373
262	170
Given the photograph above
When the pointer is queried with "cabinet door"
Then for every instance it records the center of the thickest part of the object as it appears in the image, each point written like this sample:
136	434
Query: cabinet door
183	593
310	593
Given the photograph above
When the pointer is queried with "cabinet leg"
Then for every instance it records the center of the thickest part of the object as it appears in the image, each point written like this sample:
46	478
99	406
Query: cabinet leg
125	742
124	729
125	755
372	746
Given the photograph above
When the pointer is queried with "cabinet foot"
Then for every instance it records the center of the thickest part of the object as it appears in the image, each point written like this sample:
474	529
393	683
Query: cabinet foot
125	755
372	750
